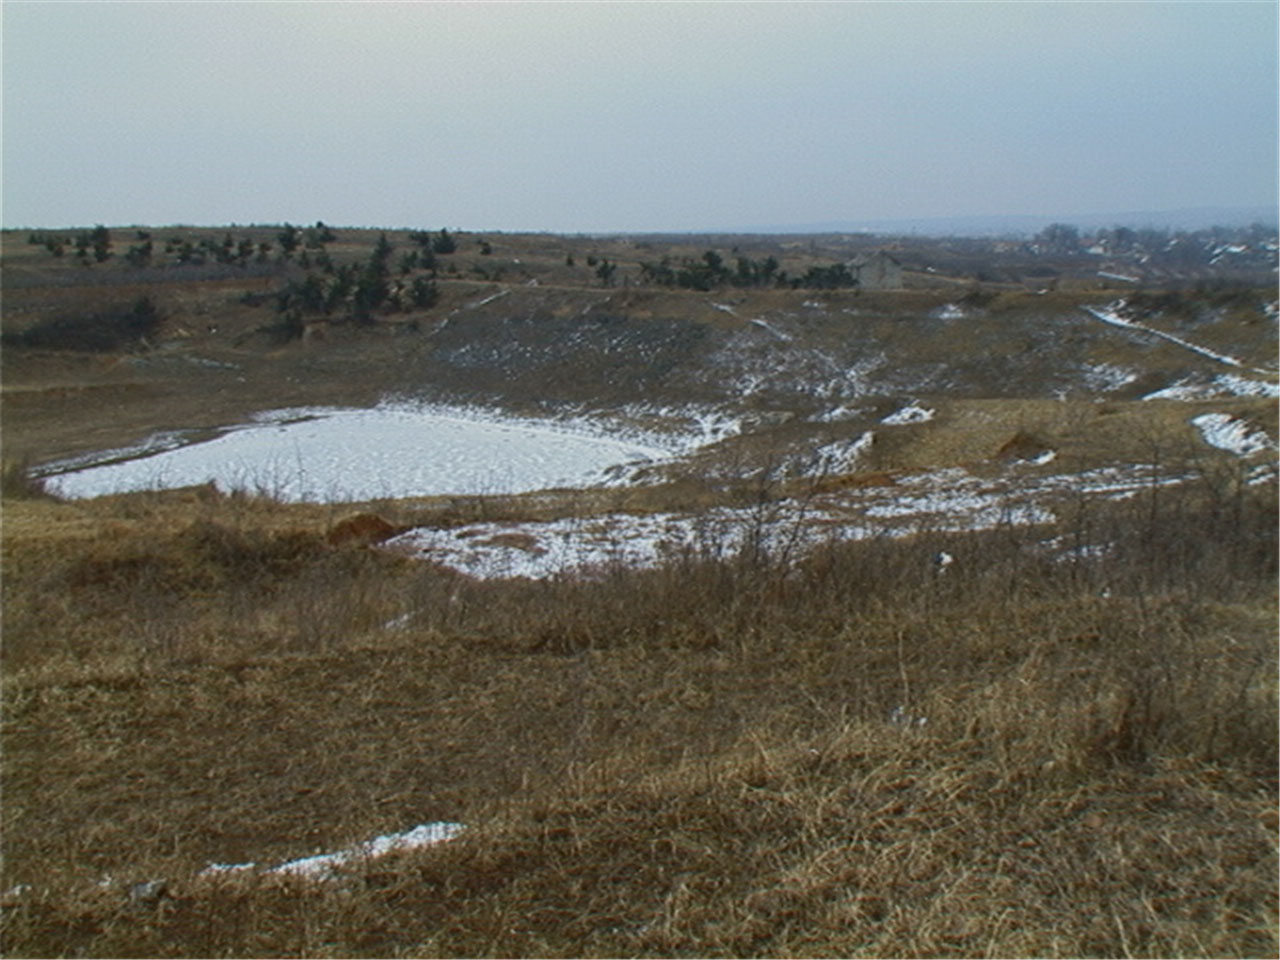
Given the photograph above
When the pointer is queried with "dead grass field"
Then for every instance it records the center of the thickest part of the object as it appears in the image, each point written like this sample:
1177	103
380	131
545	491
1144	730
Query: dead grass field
1065	750
697	760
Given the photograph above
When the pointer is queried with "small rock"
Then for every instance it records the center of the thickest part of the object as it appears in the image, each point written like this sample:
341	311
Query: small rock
148	893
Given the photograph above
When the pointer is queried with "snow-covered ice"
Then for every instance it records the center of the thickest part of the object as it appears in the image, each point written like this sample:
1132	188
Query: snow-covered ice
362	454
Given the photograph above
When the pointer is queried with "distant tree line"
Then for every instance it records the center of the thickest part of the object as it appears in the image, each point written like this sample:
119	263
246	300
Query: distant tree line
97	246
97	240
710	271
1176	249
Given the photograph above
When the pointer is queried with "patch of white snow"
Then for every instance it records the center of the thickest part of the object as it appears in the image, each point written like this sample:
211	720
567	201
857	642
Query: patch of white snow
343	454
1104	377
1224	384
325	865
1226	432
1111	314
913	413
784	337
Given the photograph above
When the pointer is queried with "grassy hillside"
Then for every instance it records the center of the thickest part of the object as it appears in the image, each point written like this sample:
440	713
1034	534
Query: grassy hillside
856	756
1056	739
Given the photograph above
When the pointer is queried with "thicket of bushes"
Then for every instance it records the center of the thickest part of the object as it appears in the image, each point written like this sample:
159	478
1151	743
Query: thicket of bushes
114	328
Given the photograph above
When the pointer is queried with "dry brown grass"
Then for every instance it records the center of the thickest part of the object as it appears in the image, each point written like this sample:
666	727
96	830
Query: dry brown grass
703	759
718	758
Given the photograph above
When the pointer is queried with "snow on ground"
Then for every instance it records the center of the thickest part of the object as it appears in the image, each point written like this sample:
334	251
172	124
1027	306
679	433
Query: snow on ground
1225	384
842	412
913	413
1104	377
1243	387
678	429
841	456
750	364
1111	314
836	457
764	324
947	500
1228	433
343	454
950	311
326	865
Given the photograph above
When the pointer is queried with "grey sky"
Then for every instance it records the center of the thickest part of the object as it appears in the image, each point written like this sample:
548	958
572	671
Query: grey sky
631	116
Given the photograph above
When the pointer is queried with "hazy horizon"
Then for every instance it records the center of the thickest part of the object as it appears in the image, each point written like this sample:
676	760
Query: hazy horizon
631	118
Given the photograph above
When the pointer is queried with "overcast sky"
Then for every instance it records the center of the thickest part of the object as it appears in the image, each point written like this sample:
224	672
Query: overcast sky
590	117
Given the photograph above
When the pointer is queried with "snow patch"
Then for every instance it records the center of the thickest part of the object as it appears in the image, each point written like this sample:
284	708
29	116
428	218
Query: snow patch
1226	432
784	337
1111	314
909	414
1242	387
842	412
1224	384
1104	377
841	456
951	500
325	866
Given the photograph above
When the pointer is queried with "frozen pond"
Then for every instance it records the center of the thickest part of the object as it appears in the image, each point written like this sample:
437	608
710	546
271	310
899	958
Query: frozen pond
324	455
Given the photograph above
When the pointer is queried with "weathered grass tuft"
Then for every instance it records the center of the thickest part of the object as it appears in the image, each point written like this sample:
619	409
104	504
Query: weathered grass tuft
18	483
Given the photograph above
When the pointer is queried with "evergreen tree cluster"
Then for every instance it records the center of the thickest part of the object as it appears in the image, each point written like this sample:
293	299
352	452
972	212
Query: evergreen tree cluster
710	271
91	246
357	292
95	246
